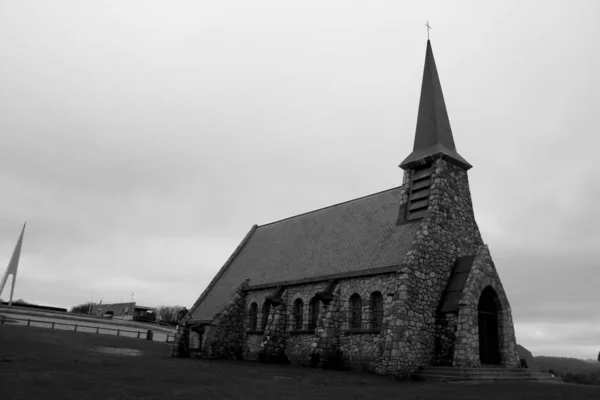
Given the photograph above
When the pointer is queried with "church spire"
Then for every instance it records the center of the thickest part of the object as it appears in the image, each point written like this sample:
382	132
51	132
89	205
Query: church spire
433	137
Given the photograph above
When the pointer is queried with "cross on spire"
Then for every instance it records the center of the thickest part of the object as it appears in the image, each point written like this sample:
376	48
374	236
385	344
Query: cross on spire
428	28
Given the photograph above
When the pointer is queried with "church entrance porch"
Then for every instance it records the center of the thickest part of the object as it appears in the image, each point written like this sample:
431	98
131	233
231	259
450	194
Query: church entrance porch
489	343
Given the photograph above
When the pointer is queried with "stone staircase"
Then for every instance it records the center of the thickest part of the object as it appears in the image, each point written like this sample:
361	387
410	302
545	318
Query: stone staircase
485	374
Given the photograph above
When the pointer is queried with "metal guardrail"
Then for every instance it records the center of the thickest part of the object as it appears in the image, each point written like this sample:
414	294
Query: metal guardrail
148	335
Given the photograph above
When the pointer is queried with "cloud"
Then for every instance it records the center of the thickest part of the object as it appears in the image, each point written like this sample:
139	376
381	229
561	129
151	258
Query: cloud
142	143
560	339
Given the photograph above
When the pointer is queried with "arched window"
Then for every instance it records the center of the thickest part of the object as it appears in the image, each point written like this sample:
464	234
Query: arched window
355	311
298	314
253	316
376	310
265	314
313	311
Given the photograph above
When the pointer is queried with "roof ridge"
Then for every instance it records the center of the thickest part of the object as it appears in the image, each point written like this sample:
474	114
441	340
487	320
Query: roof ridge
331	206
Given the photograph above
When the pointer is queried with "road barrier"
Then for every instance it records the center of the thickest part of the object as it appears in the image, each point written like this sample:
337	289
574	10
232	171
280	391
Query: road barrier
148	335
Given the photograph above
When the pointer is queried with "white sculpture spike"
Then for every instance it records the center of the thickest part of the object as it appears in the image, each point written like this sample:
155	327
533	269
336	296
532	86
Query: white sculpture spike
13	265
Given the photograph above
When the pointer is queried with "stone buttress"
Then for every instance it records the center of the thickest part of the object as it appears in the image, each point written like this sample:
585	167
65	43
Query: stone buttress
224	337
275	334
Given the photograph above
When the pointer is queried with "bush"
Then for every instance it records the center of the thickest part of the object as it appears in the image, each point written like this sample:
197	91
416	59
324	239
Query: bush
168	313
147	317
82	308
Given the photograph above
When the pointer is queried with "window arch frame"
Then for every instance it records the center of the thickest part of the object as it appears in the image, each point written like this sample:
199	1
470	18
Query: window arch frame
314	307
355	308
376	309
253	316
298	314
266	310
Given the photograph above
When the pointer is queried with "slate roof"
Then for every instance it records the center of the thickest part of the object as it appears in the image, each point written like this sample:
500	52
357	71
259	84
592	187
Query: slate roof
456	284
354	236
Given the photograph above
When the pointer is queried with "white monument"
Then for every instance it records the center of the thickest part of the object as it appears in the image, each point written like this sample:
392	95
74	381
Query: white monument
13	265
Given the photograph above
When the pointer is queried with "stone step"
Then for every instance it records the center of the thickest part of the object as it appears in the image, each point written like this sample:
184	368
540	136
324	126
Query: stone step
454	374
478	369
483	378
475	369
438	378
484	371
474	373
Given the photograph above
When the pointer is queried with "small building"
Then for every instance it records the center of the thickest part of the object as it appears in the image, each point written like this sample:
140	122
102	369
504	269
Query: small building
127	311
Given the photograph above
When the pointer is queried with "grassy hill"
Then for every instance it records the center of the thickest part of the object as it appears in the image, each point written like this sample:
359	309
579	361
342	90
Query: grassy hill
39	363
572	370
564	364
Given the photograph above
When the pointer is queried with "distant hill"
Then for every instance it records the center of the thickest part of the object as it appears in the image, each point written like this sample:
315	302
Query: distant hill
573	370
526	354
564	364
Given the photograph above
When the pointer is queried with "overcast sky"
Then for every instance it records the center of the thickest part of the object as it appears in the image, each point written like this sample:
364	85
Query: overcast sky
142	139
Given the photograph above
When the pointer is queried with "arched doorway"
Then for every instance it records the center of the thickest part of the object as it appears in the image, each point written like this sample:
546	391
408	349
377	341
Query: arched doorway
489	344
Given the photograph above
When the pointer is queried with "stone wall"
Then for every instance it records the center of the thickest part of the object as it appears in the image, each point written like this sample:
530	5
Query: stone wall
412	333
299	347
275	334
195	342
226	337
301	343
331	336
305	293
253	346
445	339
361	349
365	287
326	351
483	274
364	347
182	342
258	297
448	232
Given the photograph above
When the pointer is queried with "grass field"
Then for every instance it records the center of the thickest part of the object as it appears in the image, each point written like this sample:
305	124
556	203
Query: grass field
81	317
65	321
38	363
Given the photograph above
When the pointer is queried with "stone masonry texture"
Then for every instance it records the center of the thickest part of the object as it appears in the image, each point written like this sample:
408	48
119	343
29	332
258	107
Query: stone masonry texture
413	332
483	274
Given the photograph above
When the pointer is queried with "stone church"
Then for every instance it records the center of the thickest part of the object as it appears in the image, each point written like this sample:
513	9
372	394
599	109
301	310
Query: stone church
389	282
